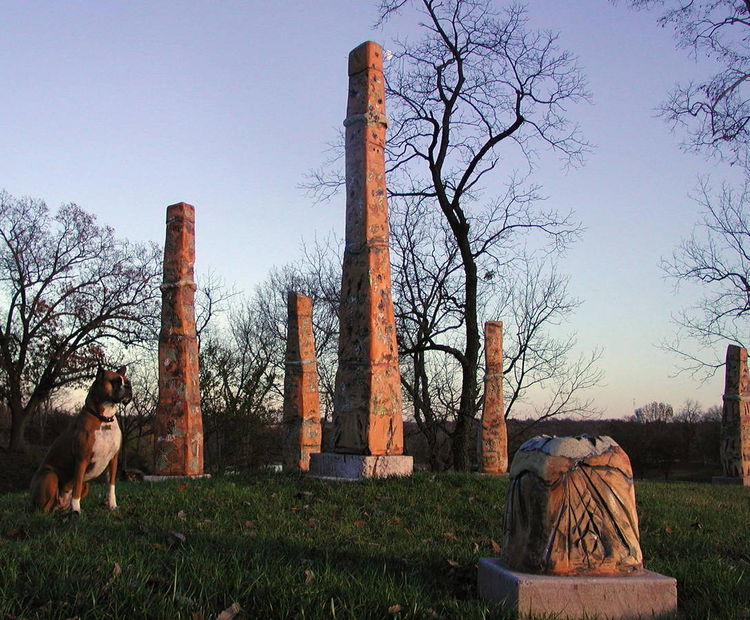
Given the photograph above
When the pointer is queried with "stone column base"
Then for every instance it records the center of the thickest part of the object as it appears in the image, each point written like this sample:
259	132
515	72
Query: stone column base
643	594
331	465
174	477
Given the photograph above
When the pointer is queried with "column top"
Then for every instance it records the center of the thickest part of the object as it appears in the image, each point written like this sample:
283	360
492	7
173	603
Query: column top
368	55
181	210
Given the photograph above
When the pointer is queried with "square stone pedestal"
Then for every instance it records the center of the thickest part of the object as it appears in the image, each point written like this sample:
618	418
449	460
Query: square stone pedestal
357	467
643	594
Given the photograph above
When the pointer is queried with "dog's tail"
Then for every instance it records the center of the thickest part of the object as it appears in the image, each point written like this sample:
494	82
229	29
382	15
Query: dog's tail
44	486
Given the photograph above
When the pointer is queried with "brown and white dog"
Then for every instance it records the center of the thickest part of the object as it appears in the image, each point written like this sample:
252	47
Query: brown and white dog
82	452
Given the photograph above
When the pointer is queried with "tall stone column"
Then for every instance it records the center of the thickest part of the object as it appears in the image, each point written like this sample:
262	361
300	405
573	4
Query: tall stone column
735	419
302	431
178	426
494	431
367	406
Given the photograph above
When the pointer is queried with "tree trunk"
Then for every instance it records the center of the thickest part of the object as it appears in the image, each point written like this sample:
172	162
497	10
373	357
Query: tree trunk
18	419
464	431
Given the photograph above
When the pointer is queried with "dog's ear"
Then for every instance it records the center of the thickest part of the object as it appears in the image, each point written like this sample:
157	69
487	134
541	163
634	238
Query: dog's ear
121	370
99	372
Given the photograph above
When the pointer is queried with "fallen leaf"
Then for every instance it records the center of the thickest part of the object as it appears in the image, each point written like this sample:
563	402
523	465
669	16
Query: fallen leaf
183	486
495	547
303	494
473	499
181	515
396	520
668	530
475	547
249	524
394	609
450	536
454	564
176	539
309	576
696	526
359	523
230	612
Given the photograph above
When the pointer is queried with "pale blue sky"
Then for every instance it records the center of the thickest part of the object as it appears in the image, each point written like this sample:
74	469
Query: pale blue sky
127	107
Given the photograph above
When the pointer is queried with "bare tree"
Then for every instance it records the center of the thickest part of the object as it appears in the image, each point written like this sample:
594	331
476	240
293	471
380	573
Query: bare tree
654	412
479	88
715	111
716	255
524	290
476	95
68	287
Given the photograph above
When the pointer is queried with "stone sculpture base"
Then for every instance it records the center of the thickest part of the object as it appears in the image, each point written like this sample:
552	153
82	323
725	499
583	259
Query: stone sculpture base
175	477
357	467
730	480
643	594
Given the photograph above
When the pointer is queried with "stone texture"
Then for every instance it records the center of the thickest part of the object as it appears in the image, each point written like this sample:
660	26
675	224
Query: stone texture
570	508
494	430
735	419
643	594
367	405
178	425
357	466
302	432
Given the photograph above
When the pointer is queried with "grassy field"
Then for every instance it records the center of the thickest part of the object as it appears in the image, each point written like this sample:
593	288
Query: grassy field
283	546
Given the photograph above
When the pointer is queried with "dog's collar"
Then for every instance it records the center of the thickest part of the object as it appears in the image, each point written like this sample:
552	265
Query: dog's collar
98	415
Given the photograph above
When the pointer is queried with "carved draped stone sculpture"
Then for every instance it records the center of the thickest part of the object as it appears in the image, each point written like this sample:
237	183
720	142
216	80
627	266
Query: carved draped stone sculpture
570	508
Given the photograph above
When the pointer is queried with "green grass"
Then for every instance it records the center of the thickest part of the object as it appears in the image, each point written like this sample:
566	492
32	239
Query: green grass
287	546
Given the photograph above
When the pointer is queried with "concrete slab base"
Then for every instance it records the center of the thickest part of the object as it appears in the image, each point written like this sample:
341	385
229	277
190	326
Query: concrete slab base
166	478
332	466
644	594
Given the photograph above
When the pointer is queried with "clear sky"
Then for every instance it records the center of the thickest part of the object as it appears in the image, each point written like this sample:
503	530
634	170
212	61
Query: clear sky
127	107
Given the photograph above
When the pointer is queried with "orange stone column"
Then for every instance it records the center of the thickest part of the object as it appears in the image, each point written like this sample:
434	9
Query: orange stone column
735	418
178	426
302	431
494	430
367	417
367	407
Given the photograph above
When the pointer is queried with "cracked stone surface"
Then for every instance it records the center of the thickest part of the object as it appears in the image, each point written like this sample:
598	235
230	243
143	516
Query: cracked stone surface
302	432
735	418
178	425
494	430
367	404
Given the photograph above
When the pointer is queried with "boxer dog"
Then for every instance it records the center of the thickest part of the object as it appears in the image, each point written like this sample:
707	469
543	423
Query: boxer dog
82	452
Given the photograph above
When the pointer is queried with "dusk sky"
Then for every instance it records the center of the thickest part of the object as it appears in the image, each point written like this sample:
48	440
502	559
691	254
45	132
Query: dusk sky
127	107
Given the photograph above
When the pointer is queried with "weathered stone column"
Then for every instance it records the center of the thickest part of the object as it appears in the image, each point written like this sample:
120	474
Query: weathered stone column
178	426
301	403
494	430
735	419
367	405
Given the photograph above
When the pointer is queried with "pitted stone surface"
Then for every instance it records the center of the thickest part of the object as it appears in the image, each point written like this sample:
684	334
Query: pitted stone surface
735	418
367	404
570	508
178	425
302	432
494	430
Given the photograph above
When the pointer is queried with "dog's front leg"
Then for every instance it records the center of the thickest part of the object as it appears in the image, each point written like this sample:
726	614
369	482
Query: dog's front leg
111	499
79	471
